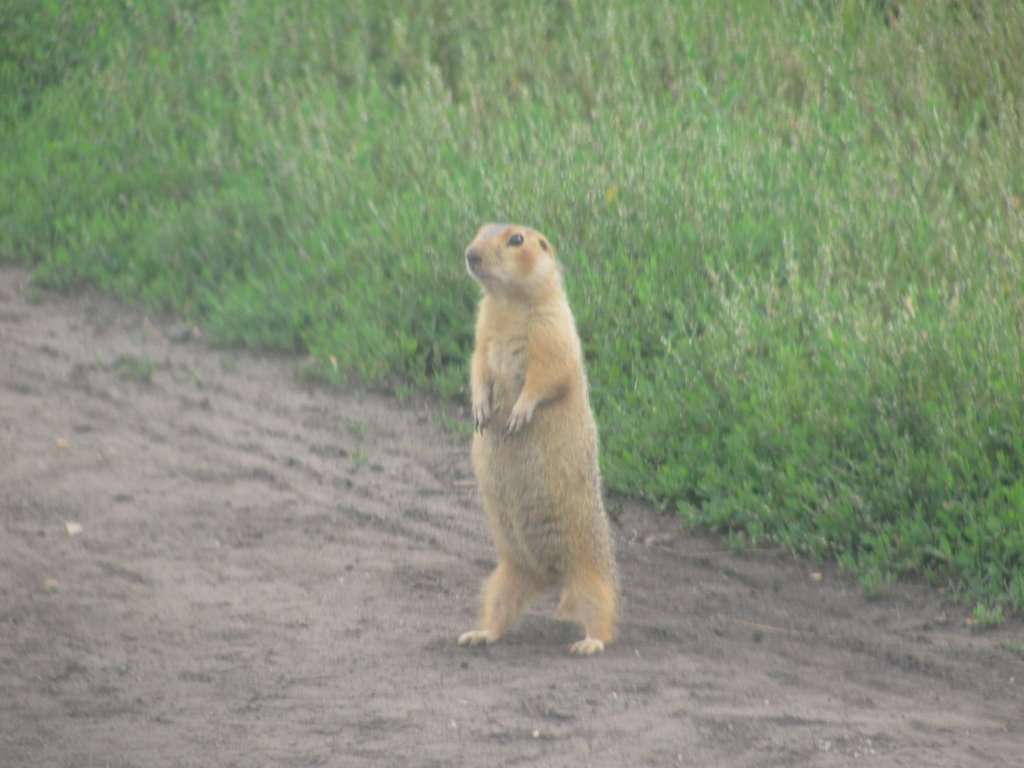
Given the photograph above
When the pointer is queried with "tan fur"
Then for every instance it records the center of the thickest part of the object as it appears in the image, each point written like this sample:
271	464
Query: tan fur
535	447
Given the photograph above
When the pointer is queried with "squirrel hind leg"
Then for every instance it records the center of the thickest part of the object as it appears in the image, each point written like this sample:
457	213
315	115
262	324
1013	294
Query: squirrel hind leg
506	592
589	598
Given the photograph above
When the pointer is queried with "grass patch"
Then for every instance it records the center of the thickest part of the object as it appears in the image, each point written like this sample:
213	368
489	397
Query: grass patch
1015	647
139	369
986	616
792	233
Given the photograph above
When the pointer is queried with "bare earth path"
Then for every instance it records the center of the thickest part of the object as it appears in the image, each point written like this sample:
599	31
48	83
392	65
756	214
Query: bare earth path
206	562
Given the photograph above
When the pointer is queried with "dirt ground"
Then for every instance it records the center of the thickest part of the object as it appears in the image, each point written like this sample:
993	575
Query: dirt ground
206	561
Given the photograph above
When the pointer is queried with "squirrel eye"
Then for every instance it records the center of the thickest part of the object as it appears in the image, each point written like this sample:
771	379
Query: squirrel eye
515	240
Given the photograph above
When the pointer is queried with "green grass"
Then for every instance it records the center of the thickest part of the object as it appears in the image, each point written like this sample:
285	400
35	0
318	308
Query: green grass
1014	646
139	369
986	616
793	235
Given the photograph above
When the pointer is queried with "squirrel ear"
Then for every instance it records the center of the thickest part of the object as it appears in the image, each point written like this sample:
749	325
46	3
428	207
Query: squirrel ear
544	244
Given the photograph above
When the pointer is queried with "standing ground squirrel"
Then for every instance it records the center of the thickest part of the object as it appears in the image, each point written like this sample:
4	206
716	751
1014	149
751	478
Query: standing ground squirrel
535	447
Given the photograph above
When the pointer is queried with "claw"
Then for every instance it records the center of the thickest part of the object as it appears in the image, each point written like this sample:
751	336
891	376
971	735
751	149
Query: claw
481	415
517	421
522	414
480	419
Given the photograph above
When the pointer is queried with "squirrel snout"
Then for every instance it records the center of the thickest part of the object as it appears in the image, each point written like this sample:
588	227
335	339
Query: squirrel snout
473	258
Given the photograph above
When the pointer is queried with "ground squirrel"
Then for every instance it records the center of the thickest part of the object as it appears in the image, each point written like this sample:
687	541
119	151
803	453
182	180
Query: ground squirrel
535	447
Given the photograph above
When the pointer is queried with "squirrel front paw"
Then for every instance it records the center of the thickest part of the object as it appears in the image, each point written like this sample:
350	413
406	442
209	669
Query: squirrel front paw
481	414
522	413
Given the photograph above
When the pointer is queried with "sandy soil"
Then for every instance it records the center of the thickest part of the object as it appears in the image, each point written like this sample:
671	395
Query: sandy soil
205	561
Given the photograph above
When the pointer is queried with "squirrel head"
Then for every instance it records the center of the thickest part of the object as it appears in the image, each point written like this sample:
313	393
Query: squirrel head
513	261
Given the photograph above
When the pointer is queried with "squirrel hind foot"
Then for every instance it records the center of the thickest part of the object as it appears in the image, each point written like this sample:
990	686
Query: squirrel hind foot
477	637
588	646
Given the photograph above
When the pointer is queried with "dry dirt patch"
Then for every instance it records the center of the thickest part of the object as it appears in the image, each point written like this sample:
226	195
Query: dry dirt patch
205	561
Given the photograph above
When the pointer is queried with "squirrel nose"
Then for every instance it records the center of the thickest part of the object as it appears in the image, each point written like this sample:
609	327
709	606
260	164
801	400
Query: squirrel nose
473	258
